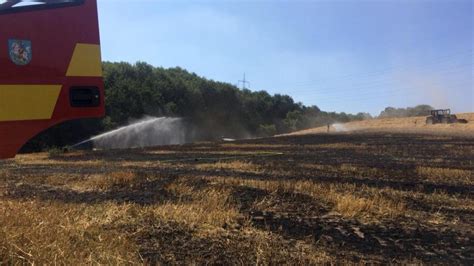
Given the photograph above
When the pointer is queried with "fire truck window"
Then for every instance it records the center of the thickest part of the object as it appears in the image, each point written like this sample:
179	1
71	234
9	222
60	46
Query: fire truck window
18	5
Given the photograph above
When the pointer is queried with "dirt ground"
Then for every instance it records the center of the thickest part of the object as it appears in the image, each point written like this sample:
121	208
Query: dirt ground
308	199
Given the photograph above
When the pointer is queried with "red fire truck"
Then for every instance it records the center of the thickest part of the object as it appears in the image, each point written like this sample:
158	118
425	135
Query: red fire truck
50	67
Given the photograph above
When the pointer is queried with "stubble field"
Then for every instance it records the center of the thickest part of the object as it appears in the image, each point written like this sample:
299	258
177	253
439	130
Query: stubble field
309	199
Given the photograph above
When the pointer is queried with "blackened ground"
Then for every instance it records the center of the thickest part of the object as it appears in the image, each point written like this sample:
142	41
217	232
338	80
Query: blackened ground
430	176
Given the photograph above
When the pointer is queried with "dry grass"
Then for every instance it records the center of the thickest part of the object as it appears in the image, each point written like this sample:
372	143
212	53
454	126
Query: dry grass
35	232
408	124
446	174
239	166
105	182
353	206
346	200
339	145
255	146
43	159
209	207
349	169
144	165
52	233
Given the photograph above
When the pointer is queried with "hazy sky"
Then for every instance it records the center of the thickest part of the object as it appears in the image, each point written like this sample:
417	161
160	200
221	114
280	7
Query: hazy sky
339	55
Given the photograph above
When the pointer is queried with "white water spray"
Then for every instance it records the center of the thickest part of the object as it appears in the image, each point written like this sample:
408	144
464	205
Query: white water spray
148	132
340	127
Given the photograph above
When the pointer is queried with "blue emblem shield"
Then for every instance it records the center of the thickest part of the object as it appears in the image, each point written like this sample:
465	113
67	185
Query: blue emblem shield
20	51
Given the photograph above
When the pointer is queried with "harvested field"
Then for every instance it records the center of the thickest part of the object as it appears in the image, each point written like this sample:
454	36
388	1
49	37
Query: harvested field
309	199
401	125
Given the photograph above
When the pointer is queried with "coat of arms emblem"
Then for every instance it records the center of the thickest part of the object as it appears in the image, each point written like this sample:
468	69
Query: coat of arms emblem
20	51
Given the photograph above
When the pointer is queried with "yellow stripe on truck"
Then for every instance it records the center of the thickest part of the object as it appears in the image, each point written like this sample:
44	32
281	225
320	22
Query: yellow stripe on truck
85	61
28	102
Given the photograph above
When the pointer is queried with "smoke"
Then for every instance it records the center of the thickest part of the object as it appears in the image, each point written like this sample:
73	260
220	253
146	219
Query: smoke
438	88
148	132
340	127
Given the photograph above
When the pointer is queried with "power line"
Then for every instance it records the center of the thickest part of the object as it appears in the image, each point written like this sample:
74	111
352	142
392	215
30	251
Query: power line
400	89
404	91
383	83
439	61
440	71
379	82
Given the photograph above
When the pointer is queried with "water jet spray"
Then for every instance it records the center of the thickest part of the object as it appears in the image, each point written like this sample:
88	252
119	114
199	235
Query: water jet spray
147	132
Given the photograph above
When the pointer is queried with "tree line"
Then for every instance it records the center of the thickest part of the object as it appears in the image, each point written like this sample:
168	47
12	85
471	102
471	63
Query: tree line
214	109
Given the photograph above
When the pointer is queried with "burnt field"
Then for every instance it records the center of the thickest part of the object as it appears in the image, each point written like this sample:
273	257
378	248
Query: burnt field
362	197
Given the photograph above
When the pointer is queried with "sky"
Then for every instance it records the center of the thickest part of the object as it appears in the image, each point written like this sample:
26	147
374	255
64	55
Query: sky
344	56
